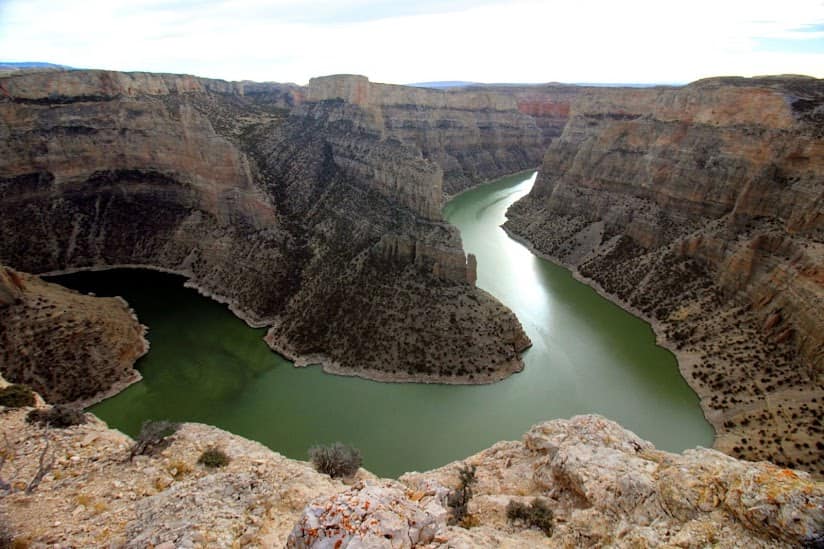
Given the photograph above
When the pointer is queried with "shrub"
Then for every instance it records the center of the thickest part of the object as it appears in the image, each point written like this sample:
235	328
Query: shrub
458	500
213	457
336	460
59	417
16	396
535	515
153	437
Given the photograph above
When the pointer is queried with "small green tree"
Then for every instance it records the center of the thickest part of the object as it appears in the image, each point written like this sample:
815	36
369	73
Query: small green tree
458	499
337	460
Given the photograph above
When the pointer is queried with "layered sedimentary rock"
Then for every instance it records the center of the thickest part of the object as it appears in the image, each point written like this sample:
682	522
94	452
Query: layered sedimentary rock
65	345
603	485
547	104
296	210
703	209
473	134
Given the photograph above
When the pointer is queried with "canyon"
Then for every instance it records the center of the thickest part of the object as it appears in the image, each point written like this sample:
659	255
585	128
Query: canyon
290	206
315	211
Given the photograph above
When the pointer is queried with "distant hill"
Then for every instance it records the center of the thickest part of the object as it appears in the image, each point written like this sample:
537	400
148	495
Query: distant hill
28	65
443	84
463	84
627	84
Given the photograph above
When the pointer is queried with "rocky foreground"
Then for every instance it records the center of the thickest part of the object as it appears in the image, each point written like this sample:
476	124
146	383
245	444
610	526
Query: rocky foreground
603	485
702	209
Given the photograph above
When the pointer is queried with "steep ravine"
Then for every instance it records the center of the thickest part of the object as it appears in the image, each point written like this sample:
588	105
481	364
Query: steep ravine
702	208
316	211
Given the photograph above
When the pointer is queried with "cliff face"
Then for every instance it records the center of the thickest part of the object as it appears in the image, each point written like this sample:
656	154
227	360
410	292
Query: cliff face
66	346
473	134
295	211
703	209
602	485
547	104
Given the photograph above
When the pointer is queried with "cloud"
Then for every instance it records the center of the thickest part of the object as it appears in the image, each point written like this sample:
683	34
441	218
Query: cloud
398	41
792	45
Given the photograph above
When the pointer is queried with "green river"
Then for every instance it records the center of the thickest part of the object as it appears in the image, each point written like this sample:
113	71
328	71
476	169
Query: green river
589	355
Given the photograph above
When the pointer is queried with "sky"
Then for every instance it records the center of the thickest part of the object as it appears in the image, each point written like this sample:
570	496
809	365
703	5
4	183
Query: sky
618	41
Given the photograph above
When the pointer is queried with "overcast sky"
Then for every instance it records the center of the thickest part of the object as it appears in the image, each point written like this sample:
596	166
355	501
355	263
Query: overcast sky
617	41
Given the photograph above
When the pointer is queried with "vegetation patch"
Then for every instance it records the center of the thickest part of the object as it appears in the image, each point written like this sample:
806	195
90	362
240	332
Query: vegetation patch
336	460
59	416
458	499
16	396
213	458
535	515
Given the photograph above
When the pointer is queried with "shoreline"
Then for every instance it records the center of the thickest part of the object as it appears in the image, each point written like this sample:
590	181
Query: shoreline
332	367
685	360
135	375
326	364
251	320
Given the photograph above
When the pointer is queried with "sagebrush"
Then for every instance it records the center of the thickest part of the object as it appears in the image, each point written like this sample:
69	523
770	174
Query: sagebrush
535	515
60	416
16	396
458	499
336	460
213	458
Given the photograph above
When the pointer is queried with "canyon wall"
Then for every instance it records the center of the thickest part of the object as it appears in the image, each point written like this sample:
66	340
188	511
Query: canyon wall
473	134
702	208
297	213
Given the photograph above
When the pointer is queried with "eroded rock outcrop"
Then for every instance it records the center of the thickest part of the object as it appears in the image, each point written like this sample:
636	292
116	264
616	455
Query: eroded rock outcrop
603	485
96	495
607	487
67	346
702	208
294	209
